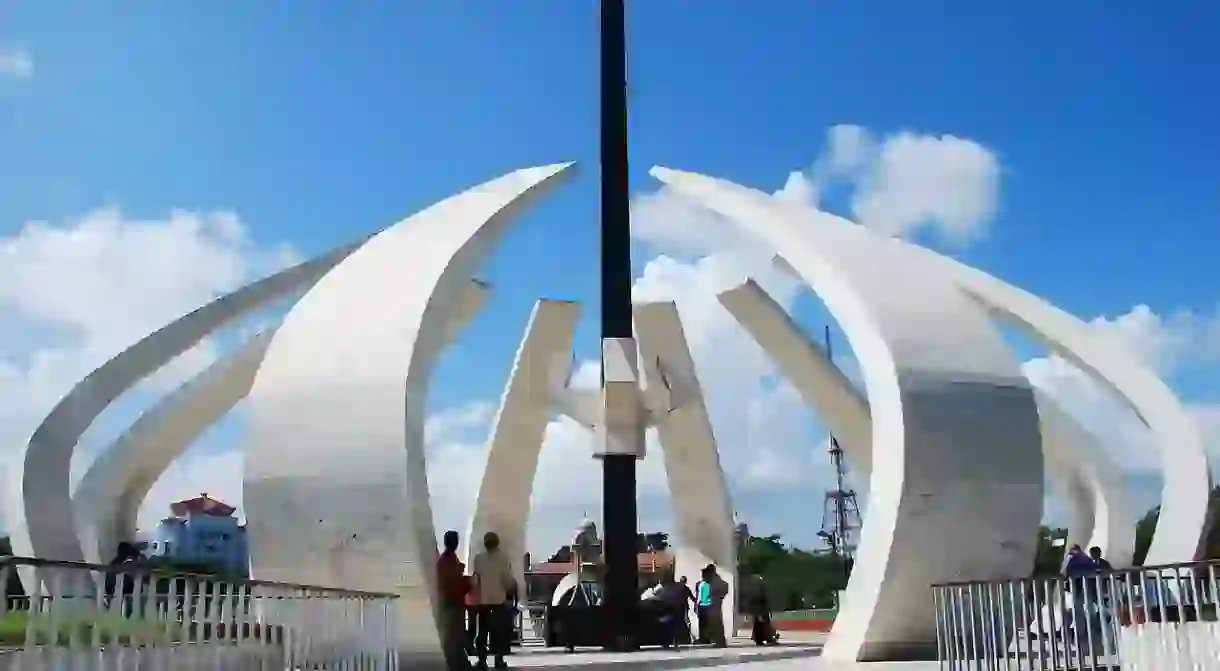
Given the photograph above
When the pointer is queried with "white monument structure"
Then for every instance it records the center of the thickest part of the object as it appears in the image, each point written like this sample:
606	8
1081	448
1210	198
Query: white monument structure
952	437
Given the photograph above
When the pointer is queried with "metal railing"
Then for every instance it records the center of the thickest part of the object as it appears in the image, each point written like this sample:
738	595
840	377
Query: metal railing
1159	618
132	618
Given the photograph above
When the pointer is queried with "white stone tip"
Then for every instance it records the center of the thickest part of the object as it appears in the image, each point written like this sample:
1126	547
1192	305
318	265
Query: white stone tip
543	173
746	285
554	168
664	174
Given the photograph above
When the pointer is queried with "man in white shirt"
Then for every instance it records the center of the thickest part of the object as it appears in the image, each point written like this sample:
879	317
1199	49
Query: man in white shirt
495	588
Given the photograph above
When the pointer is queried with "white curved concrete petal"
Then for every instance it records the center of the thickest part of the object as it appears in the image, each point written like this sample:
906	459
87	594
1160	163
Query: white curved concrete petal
565	583
109	496
542	360
1101	510
1183	525
815	377
1098	508
956	489
45	525
1181	534
339	404
111	491
703	516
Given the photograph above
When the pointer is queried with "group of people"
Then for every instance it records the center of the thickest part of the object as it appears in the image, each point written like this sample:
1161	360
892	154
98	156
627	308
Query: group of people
485	599
1080	565
673	598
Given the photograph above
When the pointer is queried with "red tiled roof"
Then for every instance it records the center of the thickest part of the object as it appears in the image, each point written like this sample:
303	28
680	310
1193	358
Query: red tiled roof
552	568
647	561
202	505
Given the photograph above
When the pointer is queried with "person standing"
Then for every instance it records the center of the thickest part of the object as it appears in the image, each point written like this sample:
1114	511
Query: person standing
686	607
703	603
673	596
1080	571
495	586
1100	563
450	574
1099	589
718	590
753	598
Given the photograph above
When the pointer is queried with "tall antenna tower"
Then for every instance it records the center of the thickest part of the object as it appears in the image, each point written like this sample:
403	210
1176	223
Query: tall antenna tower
840	511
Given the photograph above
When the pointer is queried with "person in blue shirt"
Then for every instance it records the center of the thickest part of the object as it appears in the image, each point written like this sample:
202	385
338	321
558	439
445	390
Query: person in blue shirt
703	604
710	596
1079	564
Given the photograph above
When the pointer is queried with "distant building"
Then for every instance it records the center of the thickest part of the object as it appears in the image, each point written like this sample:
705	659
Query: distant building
541	579
201	531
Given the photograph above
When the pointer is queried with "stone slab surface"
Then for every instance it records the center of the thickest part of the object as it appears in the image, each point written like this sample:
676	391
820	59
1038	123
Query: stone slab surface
739	652
799	651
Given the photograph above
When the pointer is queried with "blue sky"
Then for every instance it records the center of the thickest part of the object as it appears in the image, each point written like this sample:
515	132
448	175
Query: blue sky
315	122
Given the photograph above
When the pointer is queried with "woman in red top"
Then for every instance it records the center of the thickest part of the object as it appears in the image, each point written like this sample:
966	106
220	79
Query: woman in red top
454	590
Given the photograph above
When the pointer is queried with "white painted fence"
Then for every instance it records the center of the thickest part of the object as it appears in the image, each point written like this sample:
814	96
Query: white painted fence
130	618
1155	618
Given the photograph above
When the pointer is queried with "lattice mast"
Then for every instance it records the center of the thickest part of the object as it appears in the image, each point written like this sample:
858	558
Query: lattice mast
841	511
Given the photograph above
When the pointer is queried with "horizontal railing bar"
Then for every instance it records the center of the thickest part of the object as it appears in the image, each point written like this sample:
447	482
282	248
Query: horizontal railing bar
1118	571
166	572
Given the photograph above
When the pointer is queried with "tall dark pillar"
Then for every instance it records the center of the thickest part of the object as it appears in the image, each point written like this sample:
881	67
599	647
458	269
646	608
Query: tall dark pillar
618	470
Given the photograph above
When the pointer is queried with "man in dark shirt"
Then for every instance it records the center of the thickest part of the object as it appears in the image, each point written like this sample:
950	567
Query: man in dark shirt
127	556
1102	567
1100	561
453	585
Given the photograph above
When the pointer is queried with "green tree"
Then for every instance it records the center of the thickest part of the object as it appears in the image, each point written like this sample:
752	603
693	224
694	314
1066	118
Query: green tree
1147	524
1048	559
794	578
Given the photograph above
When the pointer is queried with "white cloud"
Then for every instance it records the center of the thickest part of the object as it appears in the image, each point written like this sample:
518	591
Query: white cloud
917	180
906	182
16	63
76	293
199	471
1166	344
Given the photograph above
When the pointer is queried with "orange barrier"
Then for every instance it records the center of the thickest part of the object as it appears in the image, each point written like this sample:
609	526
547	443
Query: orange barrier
803	625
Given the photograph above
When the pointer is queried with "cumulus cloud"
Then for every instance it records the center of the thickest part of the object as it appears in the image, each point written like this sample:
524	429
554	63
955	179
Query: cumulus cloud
75	293
1166	344
16	63
906	182
200	471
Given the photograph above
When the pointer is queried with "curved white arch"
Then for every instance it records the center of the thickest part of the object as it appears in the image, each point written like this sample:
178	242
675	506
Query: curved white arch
1103	510
1182	528
565	583
956	488
338	410
45	522
703	516
1097	503
541	363
108	498
1181	534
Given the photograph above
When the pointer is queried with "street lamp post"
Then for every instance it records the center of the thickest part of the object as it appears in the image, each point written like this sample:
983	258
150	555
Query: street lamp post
620	440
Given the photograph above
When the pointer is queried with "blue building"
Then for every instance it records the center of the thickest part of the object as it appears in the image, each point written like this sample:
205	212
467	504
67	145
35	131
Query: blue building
204	532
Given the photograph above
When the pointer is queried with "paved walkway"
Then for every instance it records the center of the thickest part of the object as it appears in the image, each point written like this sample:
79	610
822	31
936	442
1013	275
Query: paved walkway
741	654
534	656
